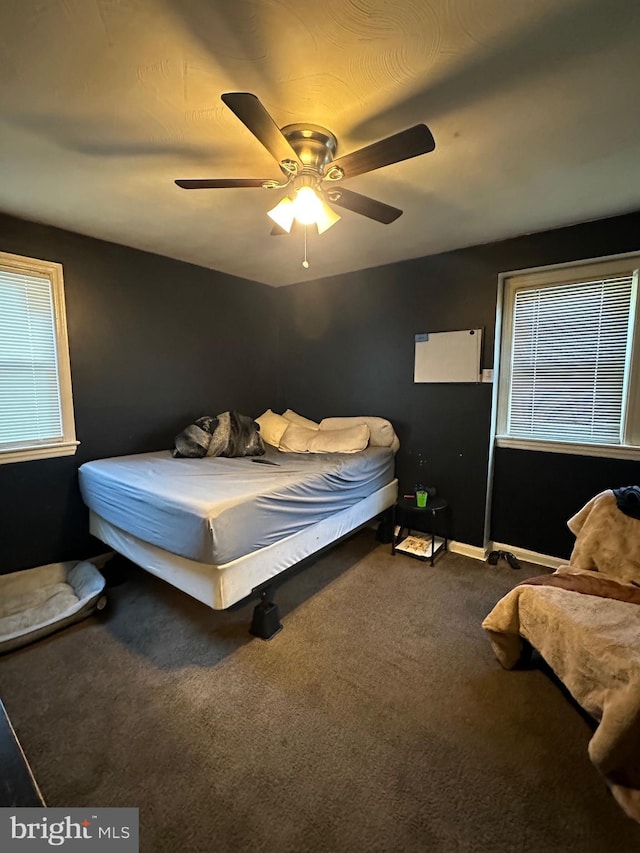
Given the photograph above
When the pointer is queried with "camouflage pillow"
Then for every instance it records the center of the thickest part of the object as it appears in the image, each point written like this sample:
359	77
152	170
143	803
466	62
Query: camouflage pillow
228	434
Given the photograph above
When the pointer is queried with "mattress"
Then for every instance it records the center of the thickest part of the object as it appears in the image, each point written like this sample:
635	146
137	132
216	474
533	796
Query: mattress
220	586
216	510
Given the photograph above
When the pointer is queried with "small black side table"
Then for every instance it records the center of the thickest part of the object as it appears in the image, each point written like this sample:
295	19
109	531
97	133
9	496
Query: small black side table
405	510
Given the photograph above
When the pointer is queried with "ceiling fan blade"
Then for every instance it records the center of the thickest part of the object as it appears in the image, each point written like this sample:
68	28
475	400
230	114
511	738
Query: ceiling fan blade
255	117
401	146
220	183
363	204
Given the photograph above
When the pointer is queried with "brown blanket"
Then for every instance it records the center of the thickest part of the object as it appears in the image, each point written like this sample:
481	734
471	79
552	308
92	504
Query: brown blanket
592	642
593	584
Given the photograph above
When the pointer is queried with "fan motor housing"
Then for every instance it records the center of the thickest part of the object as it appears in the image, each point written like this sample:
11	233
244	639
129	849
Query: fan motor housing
315	145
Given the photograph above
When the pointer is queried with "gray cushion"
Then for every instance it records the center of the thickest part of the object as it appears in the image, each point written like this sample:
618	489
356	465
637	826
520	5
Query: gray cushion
36	602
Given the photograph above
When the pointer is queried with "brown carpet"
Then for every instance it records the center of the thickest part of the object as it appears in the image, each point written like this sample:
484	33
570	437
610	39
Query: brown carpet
377	720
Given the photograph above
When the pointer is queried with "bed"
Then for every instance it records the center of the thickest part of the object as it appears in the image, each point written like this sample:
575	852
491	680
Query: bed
221	529
584	620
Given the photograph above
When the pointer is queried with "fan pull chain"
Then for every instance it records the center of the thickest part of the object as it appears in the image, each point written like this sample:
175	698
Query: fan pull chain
305	263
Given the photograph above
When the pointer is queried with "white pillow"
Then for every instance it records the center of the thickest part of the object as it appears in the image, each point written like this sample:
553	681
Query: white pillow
272	427
295	418
296	438
299	439
382	432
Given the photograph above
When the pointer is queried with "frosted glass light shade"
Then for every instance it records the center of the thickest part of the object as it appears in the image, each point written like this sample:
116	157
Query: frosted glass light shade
283	213
307	208
326	217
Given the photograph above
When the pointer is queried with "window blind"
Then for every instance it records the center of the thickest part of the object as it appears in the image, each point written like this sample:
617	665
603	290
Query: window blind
30	407
568	361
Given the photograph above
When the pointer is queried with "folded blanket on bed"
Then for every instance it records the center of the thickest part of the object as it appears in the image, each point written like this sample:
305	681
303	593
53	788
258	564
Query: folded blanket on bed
588	583
228	434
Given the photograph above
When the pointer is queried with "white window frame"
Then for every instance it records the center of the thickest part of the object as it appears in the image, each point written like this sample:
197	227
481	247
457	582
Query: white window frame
67	445
577	272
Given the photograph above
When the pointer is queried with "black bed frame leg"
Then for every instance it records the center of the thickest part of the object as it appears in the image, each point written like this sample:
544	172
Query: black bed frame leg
385	530
266	618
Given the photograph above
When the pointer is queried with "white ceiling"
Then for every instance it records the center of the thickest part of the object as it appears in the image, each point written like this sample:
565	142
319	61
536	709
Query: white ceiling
533	105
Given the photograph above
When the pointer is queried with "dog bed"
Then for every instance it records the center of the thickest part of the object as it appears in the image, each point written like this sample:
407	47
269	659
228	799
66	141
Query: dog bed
37	602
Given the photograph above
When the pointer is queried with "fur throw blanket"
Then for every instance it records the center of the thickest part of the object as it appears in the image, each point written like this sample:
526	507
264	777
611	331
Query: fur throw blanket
607	540
227	434
593	646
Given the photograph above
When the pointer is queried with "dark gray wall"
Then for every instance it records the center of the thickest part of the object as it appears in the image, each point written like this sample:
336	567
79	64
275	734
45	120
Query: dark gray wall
154	343
347	347
536	493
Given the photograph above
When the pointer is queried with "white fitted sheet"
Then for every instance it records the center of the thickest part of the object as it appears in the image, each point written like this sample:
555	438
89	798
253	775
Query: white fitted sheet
220	586
216	510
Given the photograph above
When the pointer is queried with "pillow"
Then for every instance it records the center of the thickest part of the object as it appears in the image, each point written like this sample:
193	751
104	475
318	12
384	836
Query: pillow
227	434
299	439
298	419
296	438
272	427
382	432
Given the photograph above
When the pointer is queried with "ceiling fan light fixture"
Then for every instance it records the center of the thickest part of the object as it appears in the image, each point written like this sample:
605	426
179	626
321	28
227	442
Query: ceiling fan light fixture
306	154
307	206
326	217
283	213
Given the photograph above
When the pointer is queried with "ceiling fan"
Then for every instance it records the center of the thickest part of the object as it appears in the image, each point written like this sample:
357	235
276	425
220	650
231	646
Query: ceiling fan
311	175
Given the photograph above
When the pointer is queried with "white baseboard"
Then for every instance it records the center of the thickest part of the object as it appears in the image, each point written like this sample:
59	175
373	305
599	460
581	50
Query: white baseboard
524	554
474	551
531	556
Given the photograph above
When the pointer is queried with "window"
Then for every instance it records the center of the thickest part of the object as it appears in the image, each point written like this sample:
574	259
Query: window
36	406
568	363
